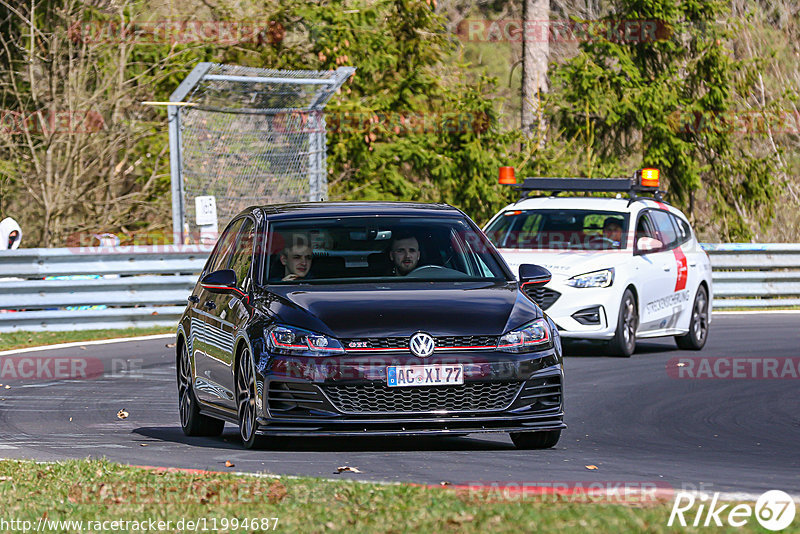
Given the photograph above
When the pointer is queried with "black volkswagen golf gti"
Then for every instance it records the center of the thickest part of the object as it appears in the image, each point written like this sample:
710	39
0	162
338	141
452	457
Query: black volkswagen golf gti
369	318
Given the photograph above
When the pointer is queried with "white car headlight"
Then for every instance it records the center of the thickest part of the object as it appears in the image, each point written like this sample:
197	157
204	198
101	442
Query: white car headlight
528	338
294	341
602	278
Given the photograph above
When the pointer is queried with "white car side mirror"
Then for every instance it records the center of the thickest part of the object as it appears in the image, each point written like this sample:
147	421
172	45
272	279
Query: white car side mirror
648	244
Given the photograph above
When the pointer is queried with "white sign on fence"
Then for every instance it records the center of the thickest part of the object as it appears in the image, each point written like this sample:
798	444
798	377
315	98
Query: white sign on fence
205	209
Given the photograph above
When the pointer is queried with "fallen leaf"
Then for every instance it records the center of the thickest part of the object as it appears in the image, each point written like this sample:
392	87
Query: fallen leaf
347	468
154	313
462	518
170	345
122	414
277	492
228	463
331	525
591	467
82	347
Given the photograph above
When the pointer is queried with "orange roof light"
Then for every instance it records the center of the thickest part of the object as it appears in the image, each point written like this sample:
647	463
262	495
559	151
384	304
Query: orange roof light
650	178
507	176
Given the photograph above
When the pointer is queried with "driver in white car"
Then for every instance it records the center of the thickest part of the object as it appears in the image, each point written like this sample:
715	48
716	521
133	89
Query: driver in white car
404	253
612	230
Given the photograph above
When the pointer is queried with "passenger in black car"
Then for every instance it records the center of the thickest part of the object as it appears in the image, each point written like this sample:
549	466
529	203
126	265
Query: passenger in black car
296	259
404	253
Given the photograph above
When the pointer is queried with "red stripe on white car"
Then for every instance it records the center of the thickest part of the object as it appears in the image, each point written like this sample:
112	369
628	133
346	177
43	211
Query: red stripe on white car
683	270
680	260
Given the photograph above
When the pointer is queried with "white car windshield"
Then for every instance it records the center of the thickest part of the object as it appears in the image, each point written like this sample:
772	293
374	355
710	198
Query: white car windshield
560	229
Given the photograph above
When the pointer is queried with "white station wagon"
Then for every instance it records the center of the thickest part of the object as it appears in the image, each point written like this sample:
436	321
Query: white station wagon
623	268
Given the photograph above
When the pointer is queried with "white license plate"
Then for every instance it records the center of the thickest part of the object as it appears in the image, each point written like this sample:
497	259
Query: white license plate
424	375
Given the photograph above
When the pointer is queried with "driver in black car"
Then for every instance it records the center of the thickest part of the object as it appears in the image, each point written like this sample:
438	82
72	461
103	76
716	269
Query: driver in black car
404	253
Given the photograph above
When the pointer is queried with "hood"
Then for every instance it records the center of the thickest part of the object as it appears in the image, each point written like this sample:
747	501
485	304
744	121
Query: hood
564	263
7	226
400	309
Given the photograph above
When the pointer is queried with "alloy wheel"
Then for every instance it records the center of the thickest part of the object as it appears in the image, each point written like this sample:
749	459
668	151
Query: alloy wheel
246	397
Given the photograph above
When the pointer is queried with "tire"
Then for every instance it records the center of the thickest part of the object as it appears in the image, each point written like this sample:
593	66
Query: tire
535	440
624	341
695	338
246	401
193	422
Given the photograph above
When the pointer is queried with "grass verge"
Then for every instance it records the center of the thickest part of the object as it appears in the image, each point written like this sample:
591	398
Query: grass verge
98	490
20	340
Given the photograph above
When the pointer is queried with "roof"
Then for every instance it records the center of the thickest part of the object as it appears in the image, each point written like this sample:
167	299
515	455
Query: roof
594	203
623	205
334	209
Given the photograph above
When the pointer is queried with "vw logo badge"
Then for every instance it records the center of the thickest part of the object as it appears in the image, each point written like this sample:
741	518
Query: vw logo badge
421	345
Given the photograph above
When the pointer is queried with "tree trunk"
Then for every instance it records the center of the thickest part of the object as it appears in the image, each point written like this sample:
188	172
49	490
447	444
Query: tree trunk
535	52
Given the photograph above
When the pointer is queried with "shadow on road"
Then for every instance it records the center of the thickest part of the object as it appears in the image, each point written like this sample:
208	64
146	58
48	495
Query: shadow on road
593	349
230	440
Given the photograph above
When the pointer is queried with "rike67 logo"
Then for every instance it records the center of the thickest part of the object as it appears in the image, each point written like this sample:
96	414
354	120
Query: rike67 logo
774	510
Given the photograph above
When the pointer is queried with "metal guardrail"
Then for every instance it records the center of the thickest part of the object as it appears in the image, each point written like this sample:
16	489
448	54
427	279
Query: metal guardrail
97	287
121	287
753	275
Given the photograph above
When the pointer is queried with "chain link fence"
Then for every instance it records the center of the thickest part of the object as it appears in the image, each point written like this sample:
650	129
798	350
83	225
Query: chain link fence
248	136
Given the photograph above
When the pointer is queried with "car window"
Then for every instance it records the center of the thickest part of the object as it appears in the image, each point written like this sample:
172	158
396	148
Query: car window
667	233
242	257
684	230
393	249
645	227
571	229
224	248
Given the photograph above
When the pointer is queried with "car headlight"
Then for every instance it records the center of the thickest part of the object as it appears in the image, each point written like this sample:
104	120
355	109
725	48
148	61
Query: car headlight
602	278
298	342
528	338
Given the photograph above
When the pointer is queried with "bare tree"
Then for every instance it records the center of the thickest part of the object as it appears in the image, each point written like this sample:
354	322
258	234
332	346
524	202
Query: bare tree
83	149
535	52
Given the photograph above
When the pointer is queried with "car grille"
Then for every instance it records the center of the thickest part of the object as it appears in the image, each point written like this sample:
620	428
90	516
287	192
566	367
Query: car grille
543	296
543	391
401	343
379	398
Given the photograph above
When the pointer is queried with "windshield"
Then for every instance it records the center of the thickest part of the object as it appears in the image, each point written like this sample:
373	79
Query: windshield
353	249
560	229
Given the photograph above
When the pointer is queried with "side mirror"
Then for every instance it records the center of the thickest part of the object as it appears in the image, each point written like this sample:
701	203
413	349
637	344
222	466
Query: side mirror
533	274
648	244
222	281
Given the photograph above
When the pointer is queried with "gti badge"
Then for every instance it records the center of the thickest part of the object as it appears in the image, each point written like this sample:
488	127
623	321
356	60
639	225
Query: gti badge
421	345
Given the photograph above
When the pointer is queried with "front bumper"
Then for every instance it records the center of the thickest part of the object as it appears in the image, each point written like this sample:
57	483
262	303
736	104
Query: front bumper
567	309
348	396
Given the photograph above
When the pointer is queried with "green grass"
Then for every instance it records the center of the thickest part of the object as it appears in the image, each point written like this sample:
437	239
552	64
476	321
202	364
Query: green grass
97	490
18	340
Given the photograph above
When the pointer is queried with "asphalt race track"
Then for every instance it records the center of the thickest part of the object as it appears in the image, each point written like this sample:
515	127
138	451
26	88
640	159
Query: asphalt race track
628	417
